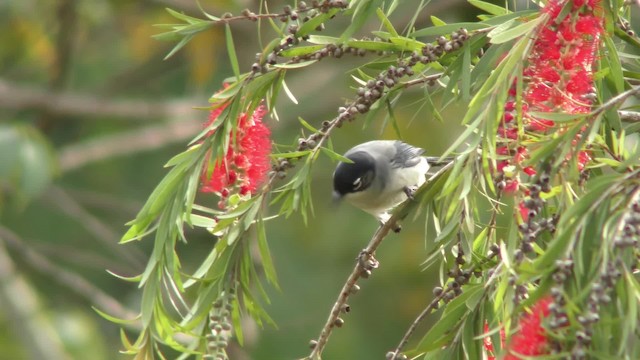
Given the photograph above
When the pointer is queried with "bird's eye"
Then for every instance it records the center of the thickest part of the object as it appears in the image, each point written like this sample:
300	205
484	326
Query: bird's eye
357	184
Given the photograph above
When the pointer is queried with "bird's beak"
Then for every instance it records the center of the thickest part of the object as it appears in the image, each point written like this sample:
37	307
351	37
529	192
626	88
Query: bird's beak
337	197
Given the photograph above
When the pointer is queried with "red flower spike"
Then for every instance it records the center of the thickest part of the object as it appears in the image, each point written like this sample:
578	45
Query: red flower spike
531	339
524	211
521	154
502	150
508	117
488	345
501	164
245	165
558	77
583	159
509	106
511	186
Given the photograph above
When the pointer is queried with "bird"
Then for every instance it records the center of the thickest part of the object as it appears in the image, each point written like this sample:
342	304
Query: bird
380	175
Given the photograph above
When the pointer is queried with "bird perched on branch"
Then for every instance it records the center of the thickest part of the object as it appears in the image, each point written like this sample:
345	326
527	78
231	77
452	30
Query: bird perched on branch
381	175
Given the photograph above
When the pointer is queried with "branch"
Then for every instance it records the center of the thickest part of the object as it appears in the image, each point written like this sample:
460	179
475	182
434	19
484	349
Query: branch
134	257
22	308
66	278
440	294
143	139
617	100
629	116
364	264
20	97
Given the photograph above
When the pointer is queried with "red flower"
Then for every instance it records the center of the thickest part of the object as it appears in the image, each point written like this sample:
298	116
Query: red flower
531	339
558	77
488	345
245	165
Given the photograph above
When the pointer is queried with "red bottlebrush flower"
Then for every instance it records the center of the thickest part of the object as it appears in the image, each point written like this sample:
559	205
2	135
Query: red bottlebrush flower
583	159
558	77
501	164
510	106
508	117
524	211
511	186
488	345
530	340
521	154
246	163
256	147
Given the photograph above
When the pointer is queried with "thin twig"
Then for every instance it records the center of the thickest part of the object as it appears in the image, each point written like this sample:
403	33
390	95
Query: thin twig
616	100
422	80
349	286
103	233
629	116
433	305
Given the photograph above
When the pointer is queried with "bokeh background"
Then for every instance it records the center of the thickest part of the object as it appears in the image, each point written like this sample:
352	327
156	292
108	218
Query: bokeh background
89	114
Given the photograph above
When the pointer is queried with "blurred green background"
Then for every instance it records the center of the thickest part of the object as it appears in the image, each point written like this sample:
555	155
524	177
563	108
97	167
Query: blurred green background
90	112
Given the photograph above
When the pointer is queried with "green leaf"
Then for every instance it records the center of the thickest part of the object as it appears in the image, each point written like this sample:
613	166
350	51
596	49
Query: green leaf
201	221
557	117
500	35
407	44
313	23
149	293
307	125
323	40
335	156
445	328
265	255
386	23
615	67
114	319
250	216
363	11
446	29
182	157
489	8
437	21
291	154
301	50
297	65
465	84
125	278
231	51
374	45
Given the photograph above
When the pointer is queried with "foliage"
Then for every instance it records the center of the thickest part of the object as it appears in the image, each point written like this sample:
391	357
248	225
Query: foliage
563	207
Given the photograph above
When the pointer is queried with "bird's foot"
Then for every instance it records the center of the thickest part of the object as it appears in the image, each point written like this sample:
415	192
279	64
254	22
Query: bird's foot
410	191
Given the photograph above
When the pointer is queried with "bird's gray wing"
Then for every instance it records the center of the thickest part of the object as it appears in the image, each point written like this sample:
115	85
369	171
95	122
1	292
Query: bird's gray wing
406	155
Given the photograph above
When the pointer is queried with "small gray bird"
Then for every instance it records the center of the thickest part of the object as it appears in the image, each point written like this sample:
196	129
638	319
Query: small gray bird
383	173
